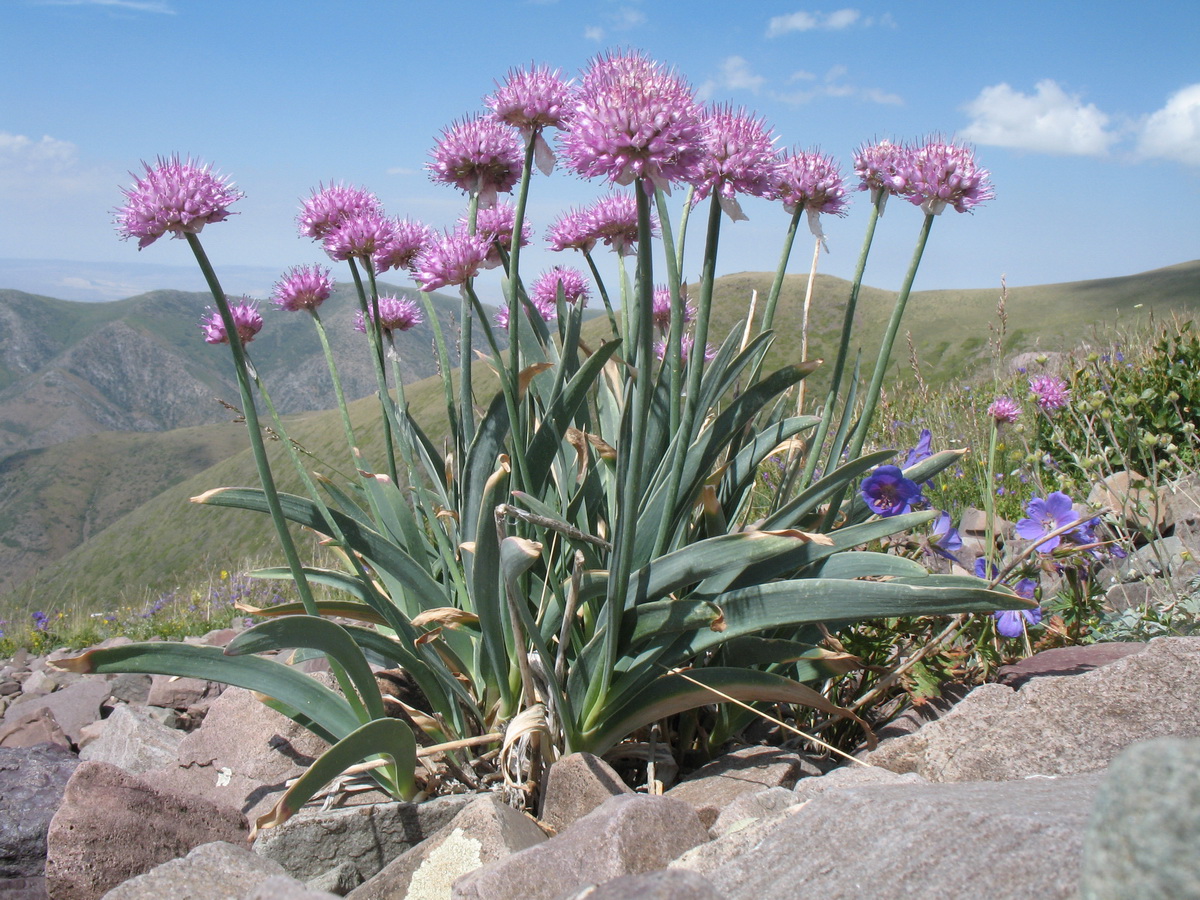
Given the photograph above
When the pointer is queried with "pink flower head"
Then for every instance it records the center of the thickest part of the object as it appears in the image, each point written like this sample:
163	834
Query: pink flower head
480	156
685	348
496	225
246	319
401	246
451	259
634	118
1004	409
612	219
395	314
545	290
662	308
946	175
1050	392
530	101
176	197
739	158
328	206
303	287
884	168
813	179
360	236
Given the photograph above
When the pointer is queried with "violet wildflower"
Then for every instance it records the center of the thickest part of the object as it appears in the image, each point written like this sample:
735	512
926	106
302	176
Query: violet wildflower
1004	409
480	156
395	314
1012	622
175	197
1045	516
946	175
359	237
814	180
399	248
451	259
986	569
41	621
921	451
662	308
246	318
496	226
1050	392
685	348
531	101
544	294
634	118
888	493
883	169
944	538
739	158
303	287
329	206
611	219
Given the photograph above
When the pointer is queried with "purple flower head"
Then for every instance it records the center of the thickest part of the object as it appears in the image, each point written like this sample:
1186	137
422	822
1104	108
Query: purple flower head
1045	516
813	179
545	290
41	621
303	287
480	156
246	319
1004	409
884	168
360	236
946	175
451	259
496	226
1050	392
662	308
634	118
530	101
328	206
739	158
921	451
1011	622
176	197
685	348
944	538
984	569
888	492
399	248
395	314
611	219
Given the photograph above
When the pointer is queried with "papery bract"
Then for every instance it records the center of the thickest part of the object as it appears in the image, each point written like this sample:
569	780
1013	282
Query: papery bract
173	197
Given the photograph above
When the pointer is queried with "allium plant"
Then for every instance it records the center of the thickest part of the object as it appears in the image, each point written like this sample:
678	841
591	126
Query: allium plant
176	198
572	561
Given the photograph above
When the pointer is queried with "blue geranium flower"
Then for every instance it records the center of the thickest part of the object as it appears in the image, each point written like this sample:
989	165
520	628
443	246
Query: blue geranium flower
888	492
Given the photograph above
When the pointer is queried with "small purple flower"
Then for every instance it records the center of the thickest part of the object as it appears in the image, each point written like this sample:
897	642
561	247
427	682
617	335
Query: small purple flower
41	621
985	569
360	236
739	158
662	308
451	259
175	197
814	180
888	493
530	101
246	319
611	219
634	118
1045	516
395	314
303	287
496	226
1050	392
1004	409
401	246
328	206
884	168
545	290
946	175
685	348
944	538
1011	622
480	156
921	451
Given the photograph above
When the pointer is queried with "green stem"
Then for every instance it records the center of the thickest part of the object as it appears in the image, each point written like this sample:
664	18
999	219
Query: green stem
370	312
672	358
466	404
351	442
514	257
777	285
612	316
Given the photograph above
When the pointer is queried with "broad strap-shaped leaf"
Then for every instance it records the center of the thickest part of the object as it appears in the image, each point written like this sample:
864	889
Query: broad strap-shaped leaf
821	490
868	564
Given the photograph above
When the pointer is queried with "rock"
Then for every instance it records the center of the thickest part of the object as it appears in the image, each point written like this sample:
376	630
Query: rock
112	826
1145	824
32	728
39	684
666	884
715	785
340	880
135	741
1057	725
1131	497
750	807
215	871
626	835
915	716
1158	559
892	841
1066	661
576	785
23	888
130	687
74	706
485	831
1183	502
1136	595
174	692
32	781
315	841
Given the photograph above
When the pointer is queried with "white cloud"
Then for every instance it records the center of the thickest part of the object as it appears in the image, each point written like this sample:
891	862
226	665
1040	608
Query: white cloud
1173	132
813	21
832	85
735	76
1050	121
627	17
401	170
594	33
150	6
48	168
22	155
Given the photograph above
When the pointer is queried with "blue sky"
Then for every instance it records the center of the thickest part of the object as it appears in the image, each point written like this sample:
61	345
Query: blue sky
1087	115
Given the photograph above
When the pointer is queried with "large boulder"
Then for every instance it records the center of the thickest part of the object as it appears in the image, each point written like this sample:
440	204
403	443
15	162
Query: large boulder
32	781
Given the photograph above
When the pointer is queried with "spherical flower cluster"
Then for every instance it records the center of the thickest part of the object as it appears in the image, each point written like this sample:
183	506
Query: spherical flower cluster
395	314
544	294
360	236
496	226
303	287
883	169
246	319
813	179
662	308
451	259
1004	409
634	118
175	197
531	101
1050	392
685	348
399	248
480	156
944	175
328	206
888	493
612	219
739	158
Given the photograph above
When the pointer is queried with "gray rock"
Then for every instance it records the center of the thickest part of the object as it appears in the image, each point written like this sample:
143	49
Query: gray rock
628	834
1057	725
32	781
74	706
485	831
33	888
279	887
750	807
130	687
666	884
340	880
1161	558
135	741
1066	661
1003	841
715	785
315	841
576	785
1145	825
174	692
32	728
